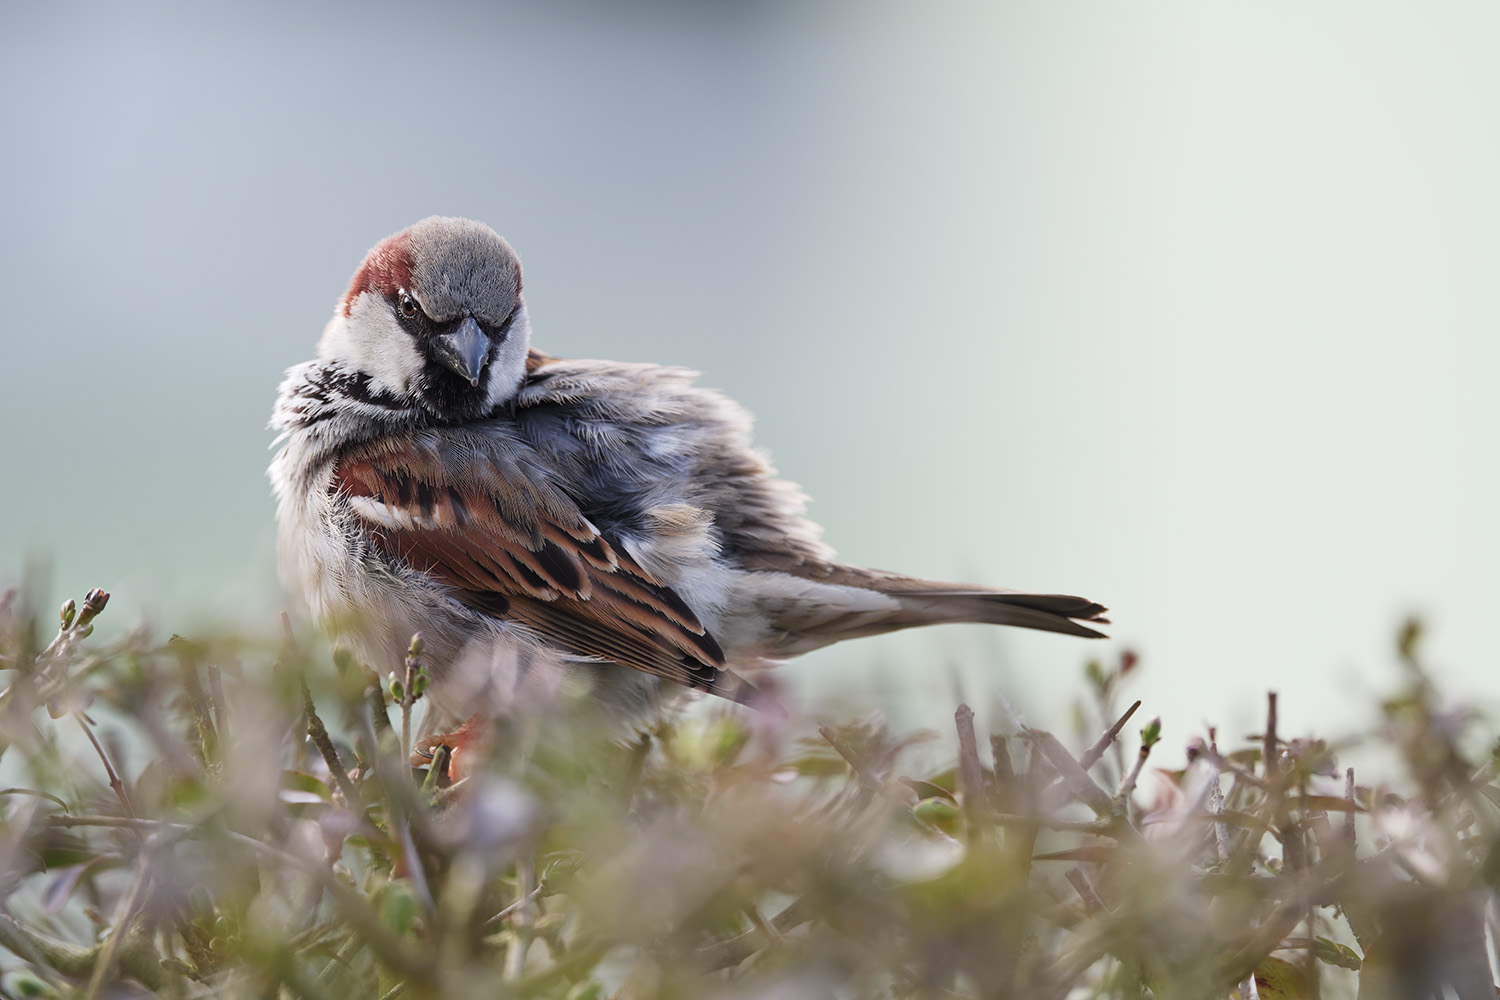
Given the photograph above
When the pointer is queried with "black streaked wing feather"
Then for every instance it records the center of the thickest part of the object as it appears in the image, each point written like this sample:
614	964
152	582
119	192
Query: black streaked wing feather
512	547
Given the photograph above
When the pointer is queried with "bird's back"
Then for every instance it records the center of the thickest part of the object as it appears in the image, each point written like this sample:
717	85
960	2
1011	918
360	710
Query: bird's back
631	439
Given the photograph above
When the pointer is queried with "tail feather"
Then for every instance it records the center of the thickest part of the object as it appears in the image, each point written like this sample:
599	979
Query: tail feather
1047	612
831	602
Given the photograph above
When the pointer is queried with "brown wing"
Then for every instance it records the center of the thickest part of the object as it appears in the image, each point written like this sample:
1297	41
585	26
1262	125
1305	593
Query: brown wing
511	546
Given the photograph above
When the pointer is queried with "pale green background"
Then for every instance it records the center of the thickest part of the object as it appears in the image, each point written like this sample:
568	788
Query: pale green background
1187	307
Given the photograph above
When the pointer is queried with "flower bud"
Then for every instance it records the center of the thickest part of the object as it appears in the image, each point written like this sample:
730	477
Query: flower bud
93	604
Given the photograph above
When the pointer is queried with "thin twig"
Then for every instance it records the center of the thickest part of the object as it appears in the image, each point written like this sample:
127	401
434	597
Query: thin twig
761	924
318	733
410	689
406	814
380	721
970	773
1031	821
1349	841
1293	850
414	870
1223	847
1080	883
513	907
114	778
1092	755
731	952
340	958
1150	735
515	956
1127	785
121	822
1270	751
1022	829
867	778
1005	772
1211	755
202	717
220	706
1267	937
104	962
1071	773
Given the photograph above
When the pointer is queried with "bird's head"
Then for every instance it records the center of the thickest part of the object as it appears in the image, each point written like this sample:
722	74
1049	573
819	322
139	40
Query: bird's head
434	318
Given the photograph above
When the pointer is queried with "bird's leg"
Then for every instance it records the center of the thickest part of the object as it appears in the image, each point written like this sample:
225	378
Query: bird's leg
466	744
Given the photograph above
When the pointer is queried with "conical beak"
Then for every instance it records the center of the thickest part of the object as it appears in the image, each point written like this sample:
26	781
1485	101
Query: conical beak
465	350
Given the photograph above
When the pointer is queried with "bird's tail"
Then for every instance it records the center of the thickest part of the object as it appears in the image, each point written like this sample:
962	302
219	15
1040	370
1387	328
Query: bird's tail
1048	612
846	602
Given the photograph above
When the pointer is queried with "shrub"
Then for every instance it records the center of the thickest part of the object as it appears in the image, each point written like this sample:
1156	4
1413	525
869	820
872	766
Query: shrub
180	821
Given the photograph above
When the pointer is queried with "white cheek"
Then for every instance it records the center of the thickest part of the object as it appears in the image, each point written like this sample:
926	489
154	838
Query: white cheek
370	340
509	365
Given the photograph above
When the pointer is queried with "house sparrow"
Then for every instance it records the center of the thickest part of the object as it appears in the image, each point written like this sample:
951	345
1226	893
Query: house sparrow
539	516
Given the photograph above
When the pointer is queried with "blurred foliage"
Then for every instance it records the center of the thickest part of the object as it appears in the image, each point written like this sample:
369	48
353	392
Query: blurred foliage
226	818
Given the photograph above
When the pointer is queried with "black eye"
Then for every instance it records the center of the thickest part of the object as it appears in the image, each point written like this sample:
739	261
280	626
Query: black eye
406	304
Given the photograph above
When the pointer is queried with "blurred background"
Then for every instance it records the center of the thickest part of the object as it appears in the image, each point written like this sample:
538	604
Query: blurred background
1190	309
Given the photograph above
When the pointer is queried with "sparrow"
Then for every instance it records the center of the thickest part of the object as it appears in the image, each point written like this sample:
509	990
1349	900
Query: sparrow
535	516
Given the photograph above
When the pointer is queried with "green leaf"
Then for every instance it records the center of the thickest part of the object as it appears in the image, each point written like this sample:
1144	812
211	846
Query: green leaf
299	781
1334	953
928	789
24	984
1278	979
398	907
939	813
819	765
